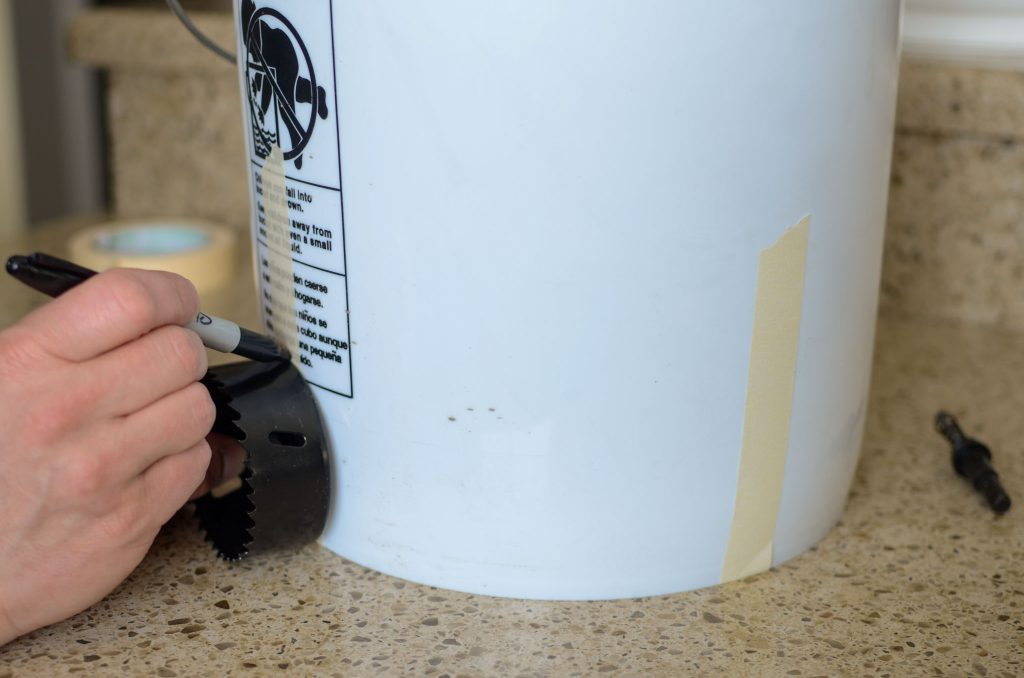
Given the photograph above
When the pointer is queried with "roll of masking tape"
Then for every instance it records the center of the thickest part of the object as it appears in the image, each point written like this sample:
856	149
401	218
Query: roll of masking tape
204	253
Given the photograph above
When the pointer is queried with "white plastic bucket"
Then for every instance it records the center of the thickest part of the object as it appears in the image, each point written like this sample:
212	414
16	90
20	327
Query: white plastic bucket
588	302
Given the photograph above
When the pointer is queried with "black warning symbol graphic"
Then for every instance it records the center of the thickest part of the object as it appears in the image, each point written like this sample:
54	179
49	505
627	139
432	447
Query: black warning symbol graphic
284	98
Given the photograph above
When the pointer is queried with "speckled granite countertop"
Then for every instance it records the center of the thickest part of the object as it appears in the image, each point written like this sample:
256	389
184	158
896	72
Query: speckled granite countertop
918	579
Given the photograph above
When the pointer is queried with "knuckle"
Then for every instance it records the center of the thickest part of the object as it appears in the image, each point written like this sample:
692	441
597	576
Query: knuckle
85	477
203	453
42	428
204	412
197	467
187	294
184	472
61	415
124	522
132	299
188	350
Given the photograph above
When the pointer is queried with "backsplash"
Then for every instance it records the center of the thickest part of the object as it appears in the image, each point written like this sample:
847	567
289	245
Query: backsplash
955	239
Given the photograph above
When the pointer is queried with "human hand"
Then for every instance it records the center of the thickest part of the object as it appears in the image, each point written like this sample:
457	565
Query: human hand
104	425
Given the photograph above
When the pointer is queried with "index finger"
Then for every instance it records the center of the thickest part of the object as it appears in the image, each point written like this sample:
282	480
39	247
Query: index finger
110	310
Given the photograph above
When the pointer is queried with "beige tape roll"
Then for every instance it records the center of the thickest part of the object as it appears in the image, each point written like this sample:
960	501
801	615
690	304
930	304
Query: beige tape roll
204	253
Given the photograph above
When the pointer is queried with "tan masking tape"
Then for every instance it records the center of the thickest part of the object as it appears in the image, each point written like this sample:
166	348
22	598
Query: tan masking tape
281	321
771	381
202	252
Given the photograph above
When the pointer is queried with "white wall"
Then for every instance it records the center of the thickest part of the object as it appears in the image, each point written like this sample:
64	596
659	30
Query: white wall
12	186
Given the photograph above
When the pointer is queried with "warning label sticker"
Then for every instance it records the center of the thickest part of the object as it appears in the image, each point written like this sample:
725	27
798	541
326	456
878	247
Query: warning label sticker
291	106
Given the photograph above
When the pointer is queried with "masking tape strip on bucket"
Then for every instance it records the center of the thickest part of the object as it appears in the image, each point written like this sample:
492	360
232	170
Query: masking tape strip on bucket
282	322
770	385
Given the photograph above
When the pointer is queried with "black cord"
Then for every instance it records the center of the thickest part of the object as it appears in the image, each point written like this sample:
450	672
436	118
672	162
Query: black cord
182	15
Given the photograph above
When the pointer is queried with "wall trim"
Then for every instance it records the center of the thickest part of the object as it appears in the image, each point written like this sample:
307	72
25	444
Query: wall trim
968	35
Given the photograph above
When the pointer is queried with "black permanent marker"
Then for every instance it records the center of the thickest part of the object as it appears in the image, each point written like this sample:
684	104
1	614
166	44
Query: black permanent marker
54	276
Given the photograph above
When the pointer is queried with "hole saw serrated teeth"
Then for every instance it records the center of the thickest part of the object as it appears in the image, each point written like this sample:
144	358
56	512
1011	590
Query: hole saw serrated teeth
283	495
